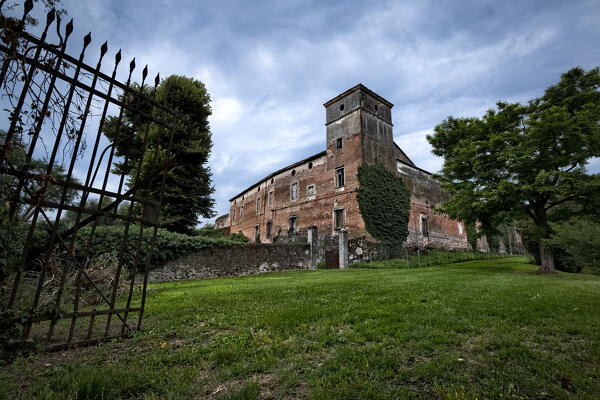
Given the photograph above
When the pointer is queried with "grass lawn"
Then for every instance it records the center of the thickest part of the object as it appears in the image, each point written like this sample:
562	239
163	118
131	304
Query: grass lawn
477	329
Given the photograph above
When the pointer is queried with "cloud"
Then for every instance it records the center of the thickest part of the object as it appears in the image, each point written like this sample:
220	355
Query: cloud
269	66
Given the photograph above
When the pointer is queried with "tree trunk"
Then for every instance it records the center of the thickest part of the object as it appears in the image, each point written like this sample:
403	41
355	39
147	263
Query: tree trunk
546	258
547	266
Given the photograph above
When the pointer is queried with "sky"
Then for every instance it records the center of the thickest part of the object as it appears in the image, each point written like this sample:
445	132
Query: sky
270	65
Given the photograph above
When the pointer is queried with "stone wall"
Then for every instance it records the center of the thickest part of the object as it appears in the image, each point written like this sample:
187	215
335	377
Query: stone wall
235	261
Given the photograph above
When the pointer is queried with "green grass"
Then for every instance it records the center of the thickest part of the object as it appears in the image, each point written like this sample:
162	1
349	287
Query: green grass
477	329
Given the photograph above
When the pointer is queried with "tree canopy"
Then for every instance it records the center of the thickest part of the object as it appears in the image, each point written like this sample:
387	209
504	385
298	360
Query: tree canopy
525	160
188	187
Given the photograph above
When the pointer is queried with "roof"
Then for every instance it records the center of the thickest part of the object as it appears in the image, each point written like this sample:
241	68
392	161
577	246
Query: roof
414	166
360	86
405	155
324	152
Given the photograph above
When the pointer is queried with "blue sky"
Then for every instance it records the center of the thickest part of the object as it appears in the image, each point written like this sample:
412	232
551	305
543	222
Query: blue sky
270	65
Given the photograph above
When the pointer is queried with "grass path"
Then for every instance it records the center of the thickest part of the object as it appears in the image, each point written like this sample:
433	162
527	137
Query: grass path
485	329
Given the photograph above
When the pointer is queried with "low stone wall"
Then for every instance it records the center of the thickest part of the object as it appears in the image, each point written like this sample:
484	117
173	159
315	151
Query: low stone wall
234	261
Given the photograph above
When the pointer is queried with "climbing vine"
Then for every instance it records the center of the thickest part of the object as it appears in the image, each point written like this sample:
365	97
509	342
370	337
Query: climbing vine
384	202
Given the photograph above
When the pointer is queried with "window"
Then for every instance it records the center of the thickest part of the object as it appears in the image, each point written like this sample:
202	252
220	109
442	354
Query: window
338	143
460	228
234	215
241	213
294	191
338	218
269	224
339	177
258	205
271	198
424	227
310	191
294	224
256	233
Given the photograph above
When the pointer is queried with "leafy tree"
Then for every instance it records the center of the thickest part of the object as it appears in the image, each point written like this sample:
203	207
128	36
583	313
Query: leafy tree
188	187
384	202
43	185
525	160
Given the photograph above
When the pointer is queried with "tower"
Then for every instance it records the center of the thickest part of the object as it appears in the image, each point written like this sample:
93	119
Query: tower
360	121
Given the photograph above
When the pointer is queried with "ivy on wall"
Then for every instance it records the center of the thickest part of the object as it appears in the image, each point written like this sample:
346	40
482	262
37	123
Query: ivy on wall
384	202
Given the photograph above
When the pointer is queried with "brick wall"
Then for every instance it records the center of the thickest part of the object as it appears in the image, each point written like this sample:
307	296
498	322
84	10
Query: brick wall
235	260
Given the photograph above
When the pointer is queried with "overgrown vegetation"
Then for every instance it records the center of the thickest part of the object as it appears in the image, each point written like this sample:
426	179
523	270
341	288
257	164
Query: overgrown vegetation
384	203
577	243
478	329
169	245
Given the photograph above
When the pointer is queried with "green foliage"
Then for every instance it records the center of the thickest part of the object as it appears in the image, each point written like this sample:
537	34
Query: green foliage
239	237
472	234
579	239
169	245
384	203
525	161
144	147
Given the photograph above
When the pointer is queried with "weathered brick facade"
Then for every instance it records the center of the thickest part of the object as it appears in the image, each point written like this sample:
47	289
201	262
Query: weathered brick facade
315	192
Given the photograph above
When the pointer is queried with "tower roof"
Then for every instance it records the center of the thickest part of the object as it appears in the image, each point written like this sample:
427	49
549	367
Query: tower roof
362	87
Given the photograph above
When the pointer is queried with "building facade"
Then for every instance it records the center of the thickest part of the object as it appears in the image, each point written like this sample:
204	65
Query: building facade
321	190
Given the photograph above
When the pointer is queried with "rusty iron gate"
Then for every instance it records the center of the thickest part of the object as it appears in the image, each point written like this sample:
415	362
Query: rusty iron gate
58	291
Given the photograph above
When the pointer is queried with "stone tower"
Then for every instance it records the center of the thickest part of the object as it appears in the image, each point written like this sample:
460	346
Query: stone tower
362	121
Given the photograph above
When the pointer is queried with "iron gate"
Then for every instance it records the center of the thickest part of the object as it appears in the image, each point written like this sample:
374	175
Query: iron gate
53	291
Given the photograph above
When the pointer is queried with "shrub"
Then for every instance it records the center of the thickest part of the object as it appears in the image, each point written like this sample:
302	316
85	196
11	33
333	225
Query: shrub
169	245
576	244
384	203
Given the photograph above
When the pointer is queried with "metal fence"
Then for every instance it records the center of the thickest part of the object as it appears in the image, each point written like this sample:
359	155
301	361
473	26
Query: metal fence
416	258
50	99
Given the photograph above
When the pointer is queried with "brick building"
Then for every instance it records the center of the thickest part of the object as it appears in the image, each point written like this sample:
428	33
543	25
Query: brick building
321	190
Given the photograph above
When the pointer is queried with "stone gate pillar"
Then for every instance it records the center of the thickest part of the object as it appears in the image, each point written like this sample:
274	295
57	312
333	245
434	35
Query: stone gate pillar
313	240
343	237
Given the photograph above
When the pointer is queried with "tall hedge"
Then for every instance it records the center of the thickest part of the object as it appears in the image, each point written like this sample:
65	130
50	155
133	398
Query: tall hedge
384	203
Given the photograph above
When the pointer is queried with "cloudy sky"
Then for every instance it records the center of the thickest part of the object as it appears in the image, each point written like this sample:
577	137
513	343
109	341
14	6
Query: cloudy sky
270	65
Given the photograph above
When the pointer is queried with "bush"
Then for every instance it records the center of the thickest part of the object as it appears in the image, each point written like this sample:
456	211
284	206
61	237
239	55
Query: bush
169	245
576	244
384	203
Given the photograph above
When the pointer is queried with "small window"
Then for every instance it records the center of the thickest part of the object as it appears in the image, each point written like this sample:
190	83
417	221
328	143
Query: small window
271	198
256	233
339	177
341	107
338	218
460	228
241	213
310	165
294	224
259	188
339	143
269	224
258	205
424	227
310	190
294	191
272	180
293	172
